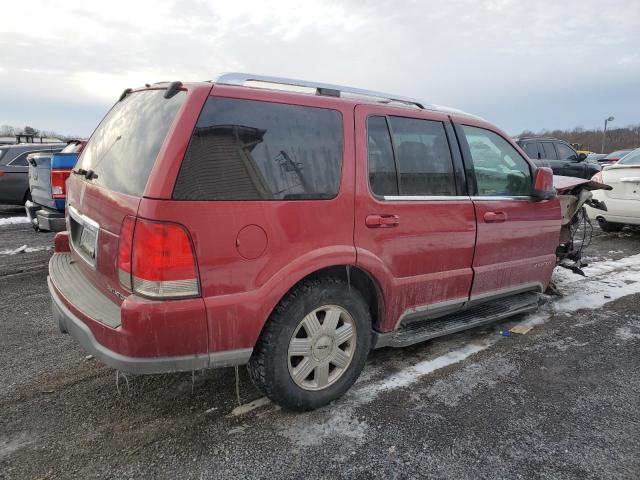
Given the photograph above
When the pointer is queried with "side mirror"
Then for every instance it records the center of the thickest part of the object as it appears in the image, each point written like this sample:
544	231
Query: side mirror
543	184
582	156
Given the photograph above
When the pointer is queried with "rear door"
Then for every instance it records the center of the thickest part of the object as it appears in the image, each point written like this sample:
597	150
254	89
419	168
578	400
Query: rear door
414	222
516	237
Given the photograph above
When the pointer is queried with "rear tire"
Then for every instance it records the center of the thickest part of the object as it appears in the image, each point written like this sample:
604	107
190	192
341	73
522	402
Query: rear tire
609	226
314	345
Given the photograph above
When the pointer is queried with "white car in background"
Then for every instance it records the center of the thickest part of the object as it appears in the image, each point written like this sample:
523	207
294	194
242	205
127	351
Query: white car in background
623	201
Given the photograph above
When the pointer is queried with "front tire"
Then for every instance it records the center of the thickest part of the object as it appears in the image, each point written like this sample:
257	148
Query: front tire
314	345
608	226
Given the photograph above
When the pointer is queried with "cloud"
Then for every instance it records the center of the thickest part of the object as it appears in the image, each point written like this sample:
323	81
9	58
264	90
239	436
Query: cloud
488	57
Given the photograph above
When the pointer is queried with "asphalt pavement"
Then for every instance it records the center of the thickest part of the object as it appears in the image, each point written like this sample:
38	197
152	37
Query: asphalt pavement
561	401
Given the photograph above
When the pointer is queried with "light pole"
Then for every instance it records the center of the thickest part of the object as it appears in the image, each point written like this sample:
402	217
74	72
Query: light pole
604	132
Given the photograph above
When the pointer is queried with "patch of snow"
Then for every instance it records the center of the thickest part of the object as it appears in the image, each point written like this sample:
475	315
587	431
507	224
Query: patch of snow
23	249
13	220
10	445
630	332
413	373
341	422
247	407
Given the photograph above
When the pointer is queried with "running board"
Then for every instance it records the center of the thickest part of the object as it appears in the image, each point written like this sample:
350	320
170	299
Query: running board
489	312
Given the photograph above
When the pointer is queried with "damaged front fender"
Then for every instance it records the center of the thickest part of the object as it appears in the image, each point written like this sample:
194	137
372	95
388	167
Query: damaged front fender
576	229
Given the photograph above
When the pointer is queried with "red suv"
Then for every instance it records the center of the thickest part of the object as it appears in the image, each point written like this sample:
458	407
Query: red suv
219	224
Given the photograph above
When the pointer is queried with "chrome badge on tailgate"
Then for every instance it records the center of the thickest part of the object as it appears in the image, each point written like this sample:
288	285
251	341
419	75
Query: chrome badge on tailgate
84	235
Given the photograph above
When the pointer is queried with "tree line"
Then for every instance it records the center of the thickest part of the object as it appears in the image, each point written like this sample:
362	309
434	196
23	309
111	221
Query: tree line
10	131
616	139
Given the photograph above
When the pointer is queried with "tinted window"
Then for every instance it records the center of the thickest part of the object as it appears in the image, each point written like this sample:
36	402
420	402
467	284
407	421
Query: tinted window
250	150
565	152
382	168
424	160
549	151
123	149
498	167
531	149
2	152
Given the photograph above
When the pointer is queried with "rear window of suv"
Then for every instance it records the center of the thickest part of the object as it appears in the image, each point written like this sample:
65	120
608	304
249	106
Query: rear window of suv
254	150
124	147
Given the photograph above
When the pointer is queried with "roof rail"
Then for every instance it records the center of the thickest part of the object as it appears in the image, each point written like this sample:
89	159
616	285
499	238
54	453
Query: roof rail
321	88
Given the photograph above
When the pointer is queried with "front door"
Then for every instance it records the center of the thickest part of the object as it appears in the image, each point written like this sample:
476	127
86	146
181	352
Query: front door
517	237
414	222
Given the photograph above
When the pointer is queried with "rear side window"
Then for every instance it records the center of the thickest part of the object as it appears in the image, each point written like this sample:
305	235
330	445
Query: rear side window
2	152
418	159
22	159
123	149
253	150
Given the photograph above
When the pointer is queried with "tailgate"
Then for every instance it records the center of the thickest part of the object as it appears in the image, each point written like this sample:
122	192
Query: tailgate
40	180
109	180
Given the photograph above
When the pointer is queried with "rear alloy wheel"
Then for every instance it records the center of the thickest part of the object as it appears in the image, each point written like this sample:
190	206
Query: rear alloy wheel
608	226
314	346
322	347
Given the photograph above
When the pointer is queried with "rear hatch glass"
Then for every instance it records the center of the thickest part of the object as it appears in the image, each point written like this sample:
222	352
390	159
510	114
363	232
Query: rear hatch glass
123	149
120	154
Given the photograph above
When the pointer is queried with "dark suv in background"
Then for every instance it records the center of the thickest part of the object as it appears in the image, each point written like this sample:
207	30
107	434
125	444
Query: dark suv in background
559	156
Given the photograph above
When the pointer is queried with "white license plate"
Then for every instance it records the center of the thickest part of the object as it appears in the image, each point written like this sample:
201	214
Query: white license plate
88	240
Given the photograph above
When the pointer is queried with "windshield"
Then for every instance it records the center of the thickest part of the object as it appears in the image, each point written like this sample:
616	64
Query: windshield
617	154
123	149
631	159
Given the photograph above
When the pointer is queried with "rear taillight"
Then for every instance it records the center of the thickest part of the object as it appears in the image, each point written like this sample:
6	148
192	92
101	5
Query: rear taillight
156	259
58	182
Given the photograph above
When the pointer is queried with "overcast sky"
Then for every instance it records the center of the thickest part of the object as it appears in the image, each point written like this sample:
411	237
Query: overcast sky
520	64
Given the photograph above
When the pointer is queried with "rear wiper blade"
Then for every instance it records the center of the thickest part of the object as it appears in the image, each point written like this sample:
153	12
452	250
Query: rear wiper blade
80	171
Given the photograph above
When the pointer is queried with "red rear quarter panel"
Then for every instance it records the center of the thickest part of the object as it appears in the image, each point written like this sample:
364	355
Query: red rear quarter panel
302	236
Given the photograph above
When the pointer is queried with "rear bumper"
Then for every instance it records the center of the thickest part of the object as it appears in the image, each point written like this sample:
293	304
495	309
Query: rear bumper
94	335
618	211
45	218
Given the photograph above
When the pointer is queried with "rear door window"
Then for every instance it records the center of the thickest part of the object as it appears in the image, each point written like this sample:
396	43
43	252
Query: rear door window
424	160
417	162
124	147
549	151
383	176
254	150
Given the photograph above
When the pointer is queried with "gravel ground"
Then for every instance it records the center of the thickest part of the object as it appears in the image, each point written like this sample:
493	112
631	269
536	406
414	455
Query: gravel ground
562	401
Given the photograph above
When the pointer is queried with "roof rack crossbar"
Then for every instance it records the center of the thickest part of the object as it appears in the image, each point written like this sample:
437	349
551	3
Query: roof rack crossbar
321	88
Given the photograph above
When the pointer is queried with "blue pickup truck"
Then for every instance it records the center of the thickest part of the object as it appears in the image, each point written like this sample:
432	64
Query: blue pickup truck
48	173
